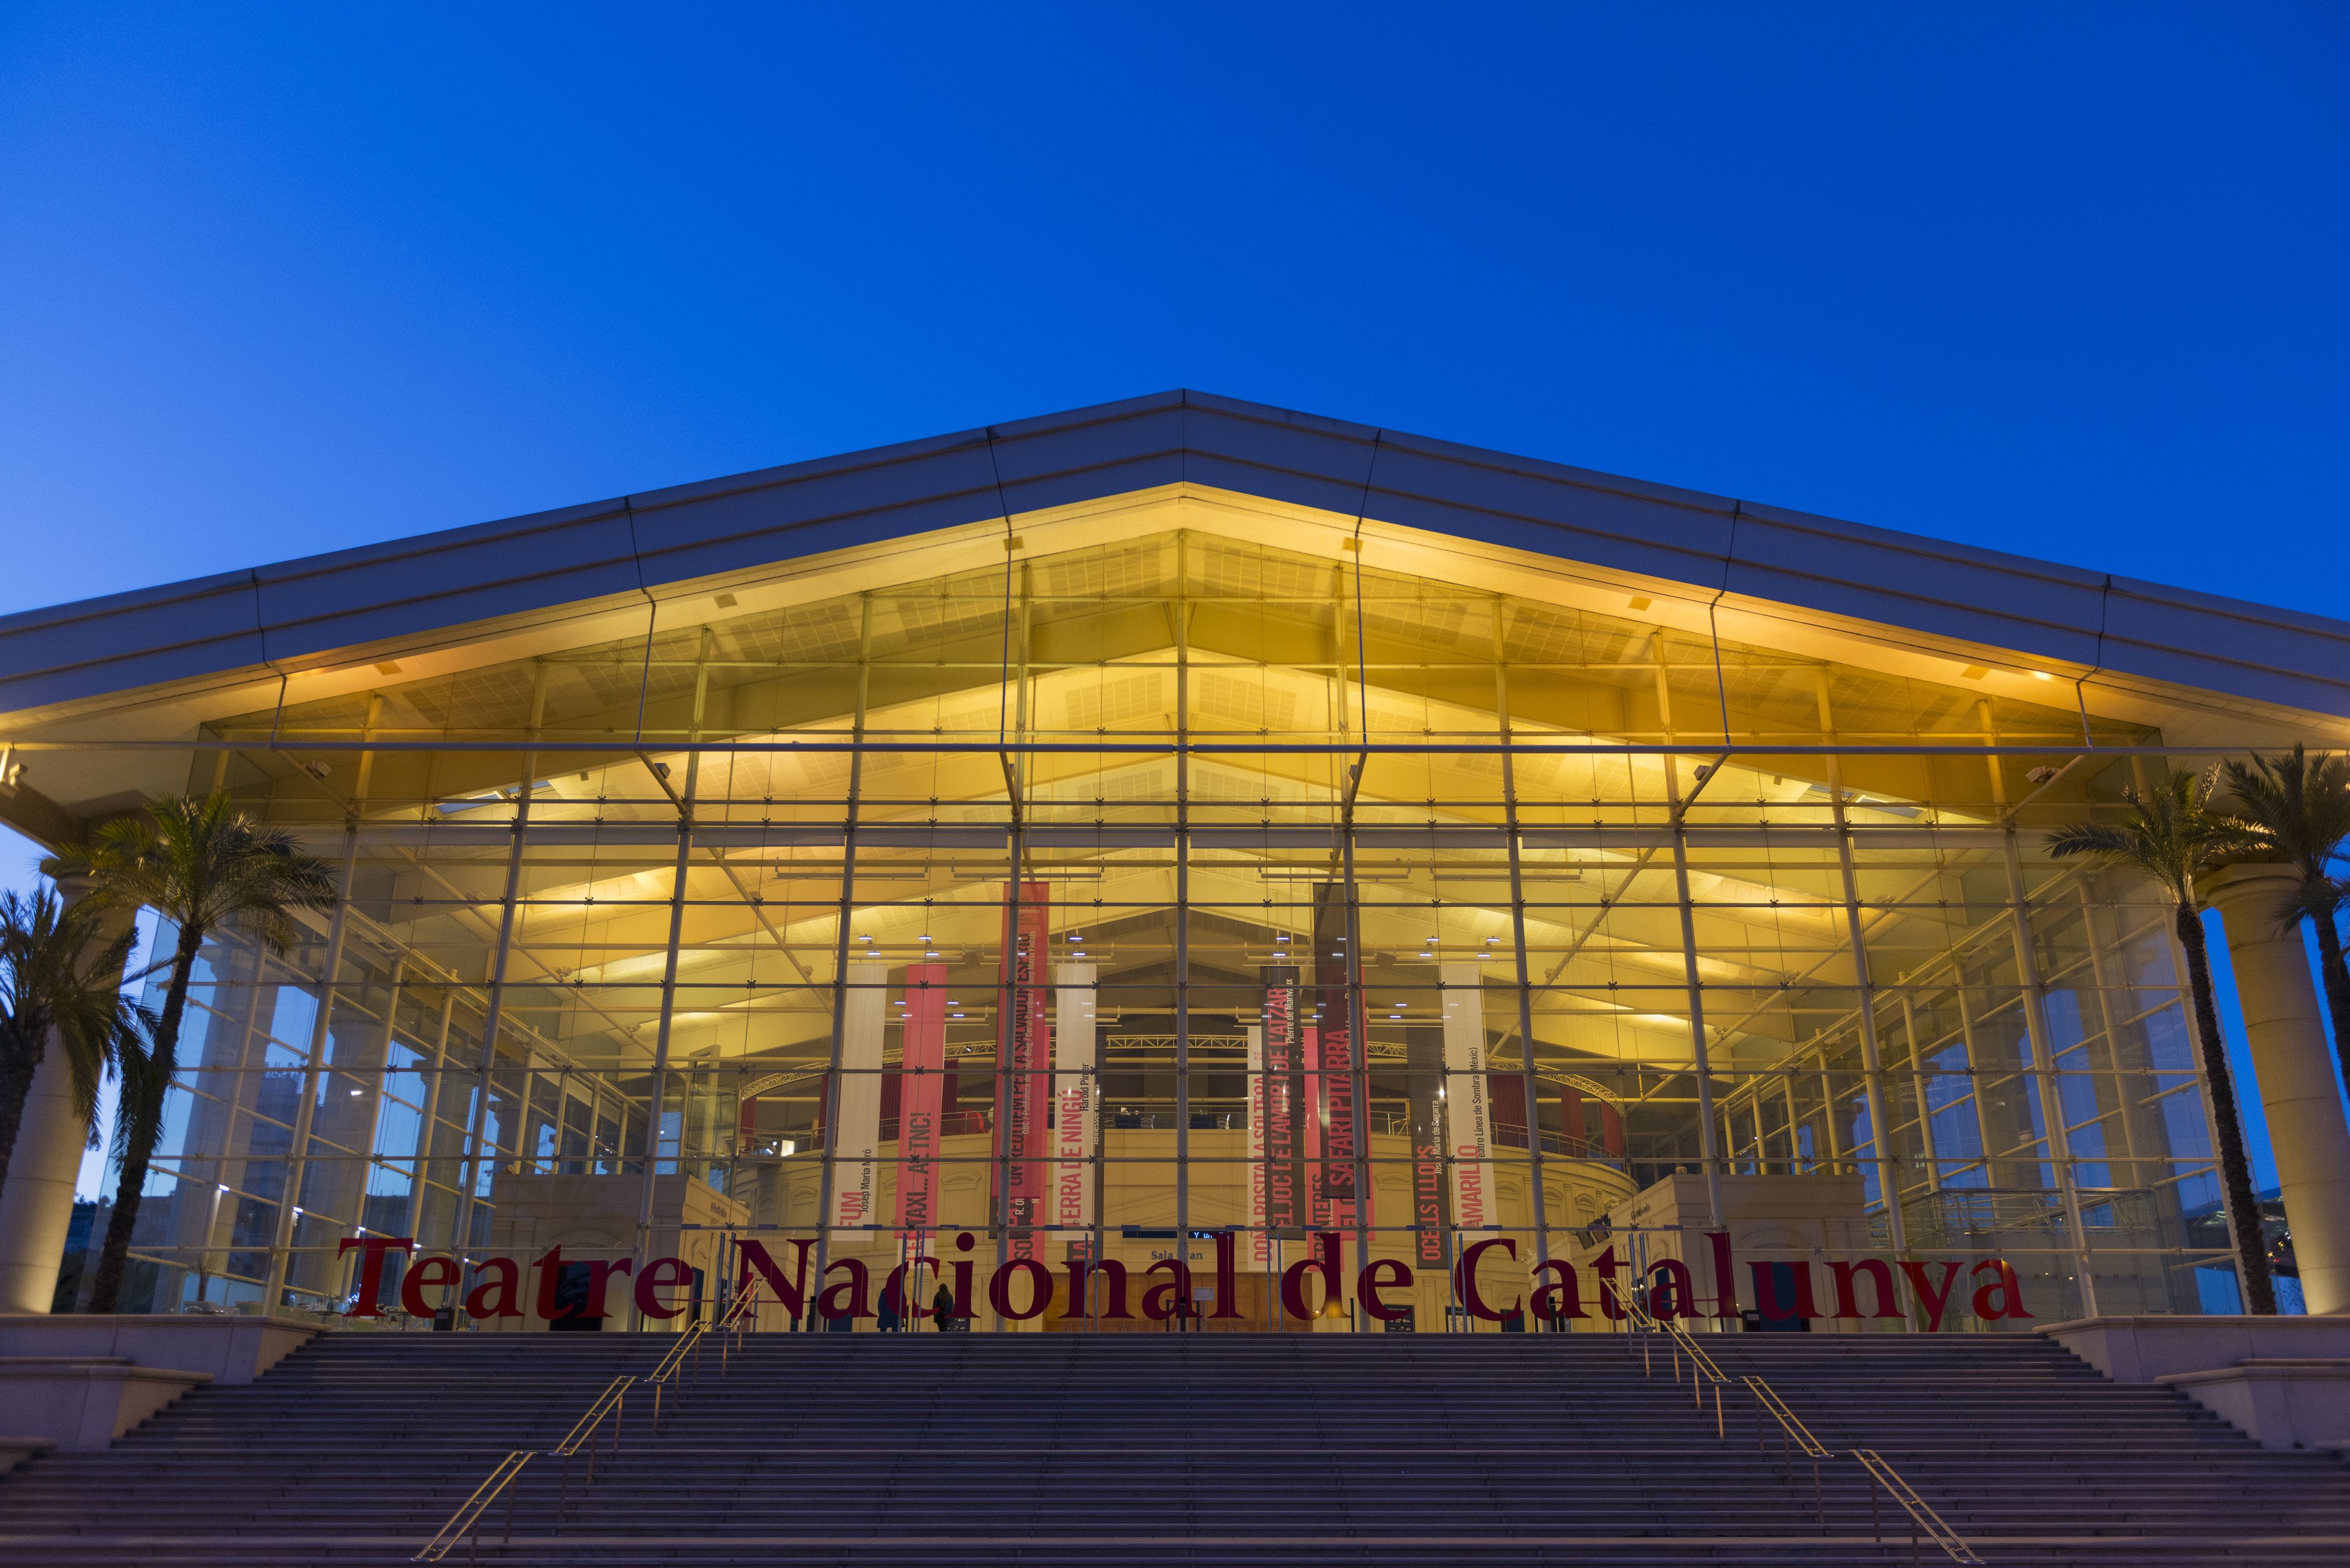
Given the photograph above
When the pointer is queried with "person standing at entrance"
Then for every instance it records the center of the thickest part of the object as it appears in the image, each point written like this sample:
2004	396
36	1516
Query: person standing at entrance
943	1307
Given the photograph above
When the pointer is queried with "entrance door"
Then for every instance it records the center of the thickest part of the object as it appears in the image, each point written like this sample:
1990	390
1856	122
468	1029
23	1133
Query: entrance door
571	1287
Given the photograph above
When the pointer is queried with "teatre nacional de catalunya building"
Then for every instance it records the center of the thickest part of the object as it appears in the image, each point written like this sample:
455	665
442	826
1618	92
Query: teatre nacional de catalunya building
1186	831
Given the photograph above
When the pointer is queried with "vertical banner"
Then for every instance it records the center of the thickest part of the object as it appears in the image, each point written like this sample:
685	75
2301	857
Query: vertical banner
1260	1243
1340	1033
1076	1105
921	1100
1273	1135
856	1136
1468	1113
1424	1072
1025	1063
1314	1113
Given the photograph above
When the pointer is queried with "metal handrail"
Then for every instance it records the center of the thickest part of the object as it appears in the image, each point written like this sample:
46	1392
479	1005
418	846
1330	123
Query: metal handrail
461	1524
691	1340
685	1355
465	1521
1795	1437
1702	1370
1767	1399
612	1400
1921	1512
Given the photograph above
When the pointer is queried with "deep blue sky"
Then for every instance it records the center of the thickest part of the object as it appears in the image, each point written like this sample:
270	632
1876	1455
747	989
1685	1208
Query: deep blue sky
2065	280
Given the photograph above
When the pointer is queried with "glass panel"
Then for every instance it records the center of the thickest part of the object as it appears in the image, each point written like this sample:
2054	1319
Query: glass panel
1150	932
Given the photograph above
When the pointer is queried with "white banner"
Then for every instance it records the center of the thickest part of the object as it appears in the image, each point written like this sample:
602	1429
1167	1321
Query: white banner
857	1140
1077	1101
1468	1113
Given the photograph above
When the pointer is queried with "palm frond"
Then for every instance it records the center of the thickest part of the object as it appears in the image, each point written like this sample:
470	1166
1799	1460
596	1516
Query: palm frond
2295	804
61	974
203	865
2102	839
2169	833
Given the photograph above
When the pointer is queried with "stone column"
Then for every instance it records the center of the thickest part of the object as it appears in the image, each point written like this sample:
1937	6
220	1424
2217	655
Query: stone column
37	1204
2295	1067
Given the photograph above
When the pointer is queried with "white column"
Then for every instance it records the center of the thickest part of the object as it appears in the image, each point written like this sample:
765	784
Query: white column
2295	1068
37	1203
36	1206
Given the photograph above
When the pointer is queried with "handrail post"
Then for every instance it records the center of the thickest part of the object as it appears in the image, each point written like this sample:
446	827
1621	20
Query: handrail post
1876	1524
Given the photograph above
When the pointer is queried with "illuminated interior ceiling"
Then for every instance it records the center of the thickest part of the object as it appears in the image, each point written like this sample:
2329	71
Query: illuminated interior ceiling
1321	583
1275	647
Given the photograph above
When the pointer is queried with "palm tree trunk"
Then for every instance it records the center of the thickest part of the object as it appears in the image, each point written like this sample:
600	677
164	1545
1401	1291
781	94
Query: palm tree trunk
21	1050
2336	976
2235	1170
106	1287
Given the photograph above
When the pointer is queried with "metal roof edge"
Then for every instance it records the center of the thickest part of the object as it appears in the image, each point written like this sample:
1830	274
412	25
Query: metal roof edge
641	543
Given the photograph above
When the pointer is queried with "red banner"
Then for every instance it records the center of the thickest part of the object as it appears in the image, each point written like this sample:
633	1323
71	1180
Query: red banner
1025	1053
923	1067
1315	1104
1331	1107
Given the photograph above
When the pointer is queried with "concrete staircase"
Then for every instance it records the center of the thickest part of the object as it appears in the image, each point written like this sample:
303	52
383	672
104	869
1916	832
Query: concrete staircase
1160	1450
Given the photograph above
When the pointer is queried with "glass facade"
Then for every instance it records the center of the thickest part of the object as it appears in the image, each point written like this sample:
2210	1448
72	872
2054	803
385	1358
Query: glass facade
1185	896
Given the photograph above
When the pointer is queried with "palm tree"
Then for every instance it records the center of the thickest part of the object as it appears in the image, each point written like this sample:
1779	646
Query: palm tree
2296	809
2172	836
58	974
200	865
